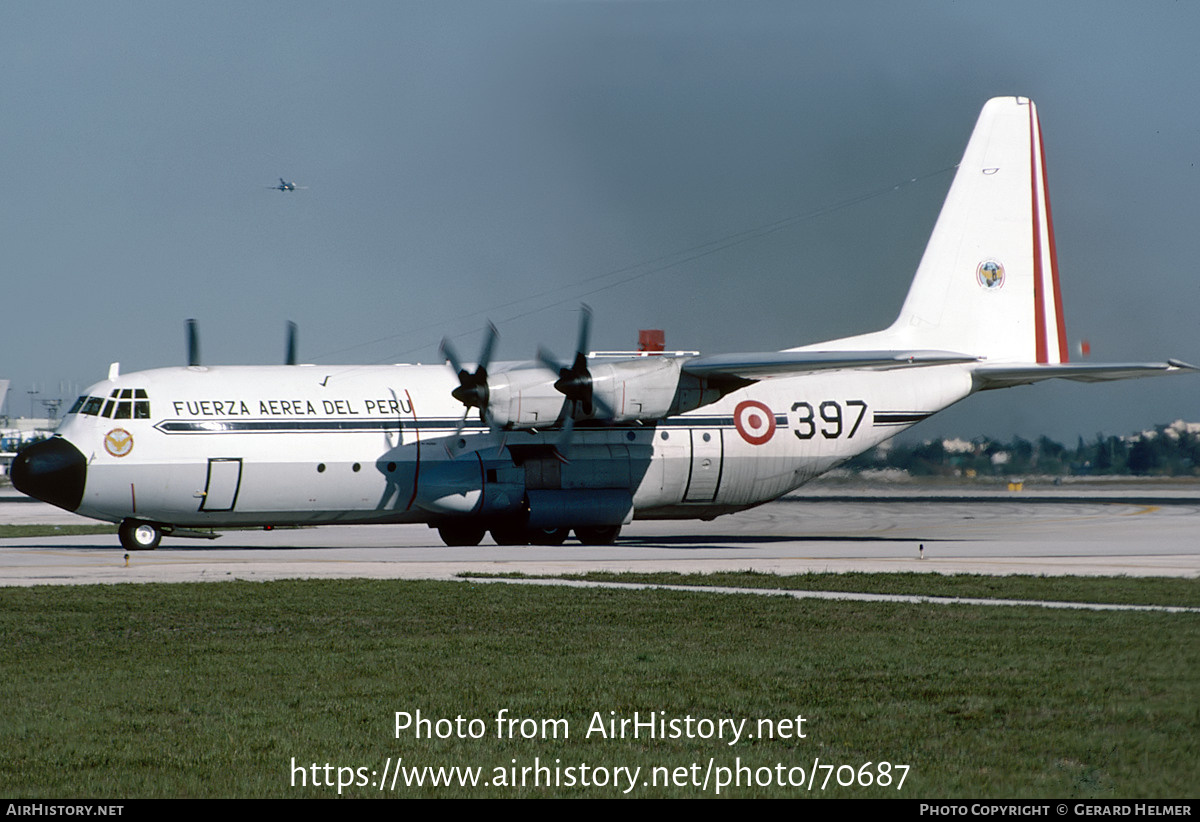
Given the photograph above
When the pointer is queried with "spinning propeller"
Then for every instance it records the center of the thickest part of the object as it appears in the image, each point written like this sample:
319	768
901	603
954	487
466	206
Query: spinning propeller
472	389
575	383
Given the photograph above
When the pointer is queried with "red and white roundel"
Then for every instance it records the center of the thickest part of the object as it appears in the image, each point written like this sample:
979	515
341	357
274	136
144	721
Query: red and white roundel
754	421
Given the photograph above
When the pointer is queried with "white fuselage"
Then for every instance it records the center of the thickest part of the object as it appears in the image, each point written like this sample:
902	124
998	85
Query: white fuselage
276	445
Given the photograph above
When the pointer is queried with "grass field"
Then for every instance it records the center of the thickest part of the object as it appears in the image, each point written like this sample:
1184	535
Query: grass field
217	690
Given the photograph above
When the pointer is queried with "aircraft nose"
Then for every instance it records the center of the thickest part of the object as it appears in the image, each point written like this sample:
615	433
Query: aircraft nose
53	471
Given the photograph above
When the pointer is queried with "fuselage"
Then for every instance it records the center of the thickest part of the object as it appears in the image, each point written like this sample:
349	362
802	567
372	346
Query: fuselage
222	446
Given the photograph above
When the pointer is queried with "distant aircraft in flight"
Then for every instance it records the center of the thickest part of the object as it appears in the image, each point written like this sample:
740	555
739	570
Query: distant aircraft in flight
284	185
584	447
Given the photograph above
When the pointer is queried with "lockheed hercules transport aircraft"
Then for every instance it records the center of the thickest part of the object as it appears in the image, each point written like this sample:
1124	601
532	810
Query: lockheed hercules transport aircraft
589	446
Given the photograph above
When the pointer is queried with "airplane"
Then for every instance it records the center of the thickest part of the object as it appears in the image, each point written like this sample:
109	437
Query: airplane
286	186
533	451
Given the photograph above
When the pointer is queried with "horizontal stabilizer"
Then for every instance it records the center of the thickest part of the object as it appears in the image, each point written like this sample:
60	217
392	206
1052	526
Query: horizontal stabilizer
791	363
1003	376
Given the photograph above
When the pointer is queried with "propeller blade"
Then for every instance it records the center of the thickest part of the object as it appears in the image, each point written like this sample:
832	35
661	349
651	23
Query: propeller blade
452	443
291	343
547	359
193	343
603	408
585	327
489	345
450	356
472	390
575	383
562	448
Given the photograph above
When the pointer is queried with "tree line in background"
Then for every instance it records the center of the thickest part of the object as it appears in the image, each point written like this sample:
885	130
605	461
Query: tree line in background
1168	450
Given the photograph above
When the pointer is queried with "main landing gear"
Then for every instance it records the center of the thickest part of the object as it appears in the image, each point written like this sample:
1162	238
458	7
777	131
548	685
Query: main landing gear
461	533
598	534
466	534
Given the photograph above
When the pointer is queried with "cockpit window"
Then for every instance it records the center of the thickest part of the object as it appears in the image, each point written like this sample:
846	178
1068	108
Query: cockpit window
121	404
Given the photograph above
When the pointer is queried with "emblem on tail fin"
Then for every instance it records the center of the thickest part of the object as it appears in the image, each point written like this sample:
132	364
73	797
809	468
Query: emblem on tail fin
990	274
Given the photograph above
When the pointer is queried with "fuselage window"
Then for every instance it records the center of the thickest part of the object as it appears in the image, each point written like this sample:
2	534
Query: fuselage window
124	411
108	409
141	410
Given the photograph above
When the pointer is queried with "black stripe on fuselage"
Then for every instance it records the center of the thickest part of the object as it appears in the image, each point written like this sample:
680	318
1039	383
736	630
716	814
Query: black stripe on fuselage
899	417
345	426
280	426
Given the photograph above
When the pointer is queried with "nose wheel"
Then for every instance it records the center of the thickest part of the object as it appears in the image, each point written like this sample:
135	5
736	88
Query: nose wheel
136	535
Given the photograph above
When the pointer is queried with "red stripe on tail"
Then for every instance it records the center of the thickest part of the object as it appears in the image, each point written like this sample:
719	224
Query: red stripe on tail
1059	322
1039	306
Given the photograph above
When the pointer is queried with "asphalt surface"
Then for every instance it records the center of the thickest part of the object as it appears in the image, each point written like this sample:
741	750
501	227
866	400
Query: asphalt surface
1135	530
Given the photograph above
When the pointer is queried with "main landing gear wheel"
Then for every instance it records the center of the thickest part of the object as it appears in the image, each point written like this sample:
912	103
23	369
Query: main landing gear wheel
139	536
510	535
458	534
548	536
598	534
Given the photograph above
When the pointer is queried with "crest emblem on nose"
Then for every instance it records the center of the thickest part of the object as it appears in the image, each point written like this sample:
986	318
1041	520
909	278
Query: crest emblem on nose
118	442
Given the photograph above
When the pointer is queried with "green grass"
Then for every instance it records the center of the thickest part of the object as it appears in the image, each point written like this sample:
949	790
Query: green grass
130	691
1114	590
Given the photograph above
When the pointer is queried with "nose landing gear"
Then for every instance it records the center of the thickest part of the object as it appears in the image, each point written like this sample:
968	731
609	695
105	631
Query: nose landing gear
139	536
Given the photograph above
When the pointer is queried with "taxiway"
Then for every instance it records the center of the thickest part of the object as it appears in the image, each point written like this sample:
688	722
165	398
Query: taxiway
1118	531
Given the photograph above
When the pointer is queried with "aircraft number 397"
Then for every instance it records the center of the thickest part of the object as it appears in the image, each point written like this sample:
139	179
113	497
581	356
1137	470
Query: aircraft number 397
833	422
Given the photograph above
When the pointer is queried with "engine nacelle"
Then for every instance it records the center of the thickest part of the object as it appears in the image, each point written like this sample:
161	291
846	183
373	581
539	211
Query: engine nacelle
646	388
641	389
524	398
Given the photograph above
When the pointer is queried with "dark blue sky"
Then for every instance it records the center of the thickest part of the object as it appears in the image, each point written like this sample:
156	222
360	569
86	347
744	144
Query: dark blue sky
508	160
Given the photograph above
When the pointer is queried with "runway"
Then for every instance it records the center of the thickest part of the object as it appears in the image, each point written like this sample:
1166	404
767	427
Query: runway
1118	531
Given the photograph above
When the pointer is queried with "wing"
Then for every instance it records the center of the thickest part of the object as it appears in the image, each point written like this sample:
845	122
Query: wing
792	363
986	375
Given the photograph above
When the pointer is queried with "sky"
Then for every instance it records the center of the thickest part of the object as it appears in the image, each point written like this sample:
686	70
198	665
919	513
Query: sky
746	176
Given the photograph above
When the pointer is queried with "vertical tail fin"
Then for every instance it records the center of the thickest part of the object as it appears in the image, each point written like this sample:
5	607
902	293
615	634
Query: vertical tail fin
988	282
